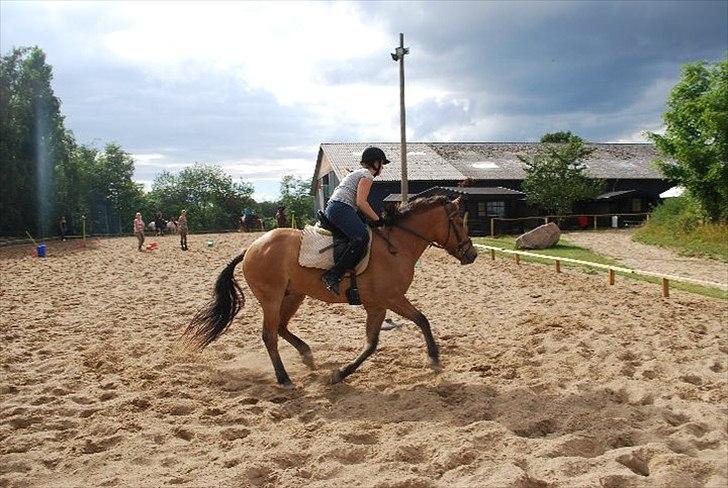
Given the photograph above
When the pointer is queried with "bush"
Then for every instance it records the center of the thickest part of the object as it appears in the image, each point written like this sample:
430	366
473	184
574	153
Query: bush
677	224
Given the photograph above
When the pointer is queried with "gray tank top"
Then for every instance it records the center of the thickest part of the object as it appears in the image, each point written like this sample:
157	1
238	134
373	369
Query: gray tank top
346	191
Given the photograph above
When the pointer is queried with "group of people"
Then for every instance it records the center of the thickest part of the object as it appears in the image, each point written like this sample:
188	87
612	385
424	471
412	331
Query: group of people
159	224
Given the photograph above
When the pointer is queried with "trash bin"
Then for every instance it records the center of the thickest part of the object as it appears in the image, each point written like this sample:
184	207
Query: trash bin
615	221
41	250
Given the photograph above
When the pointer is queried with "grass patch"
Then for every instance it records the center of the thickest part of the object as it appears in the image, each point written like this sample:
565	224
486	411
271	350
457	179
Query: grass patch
563	248
566	249
676	225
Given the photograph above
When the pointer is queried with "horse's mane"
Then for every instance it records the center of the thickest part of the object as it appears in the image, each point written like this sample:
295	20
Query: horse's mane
395	214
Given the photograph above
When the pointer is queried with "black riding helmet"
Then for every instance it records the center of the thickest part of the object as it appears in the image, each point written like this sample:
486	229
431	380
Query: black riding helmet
372	154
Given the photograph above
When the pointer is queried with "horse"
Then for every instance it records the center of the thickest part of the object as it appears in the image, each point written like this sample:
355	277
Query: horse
250	223
172	227
270	267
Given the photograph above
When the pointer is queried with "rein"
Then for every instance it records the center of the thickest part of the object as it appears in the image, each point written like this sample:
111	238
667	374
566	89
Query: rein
460	248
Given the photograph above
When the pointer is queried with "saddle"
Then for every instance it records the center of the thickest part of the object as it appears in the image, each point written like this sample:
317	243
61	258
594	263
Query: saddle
322	245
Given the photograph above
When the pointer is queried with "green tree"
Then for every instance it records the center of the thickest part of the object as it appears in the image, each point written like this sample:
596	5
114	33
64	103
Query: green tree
296	198
696	136
555	177
115	193
212	199
560	137
33	141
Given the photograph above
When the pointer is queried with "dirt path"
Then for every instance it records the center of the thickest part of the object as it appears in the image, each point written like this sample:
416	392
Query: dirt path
549	380
618	244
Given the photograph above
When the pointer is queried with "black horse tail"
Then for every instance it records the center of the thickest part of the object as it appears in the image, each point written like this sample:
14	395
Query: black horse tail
215	317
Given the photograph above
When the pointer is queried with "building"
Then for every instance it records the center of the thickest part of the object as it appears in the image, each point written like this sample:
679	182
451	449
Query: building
494	175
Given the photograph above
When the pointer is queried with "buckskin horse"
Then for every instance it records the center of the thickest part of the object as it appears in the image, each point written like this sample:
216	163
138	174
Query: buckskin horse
271	269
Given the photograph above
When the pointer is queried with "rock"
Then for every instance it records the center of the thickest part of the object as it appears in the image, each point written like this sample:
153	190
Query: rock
541	237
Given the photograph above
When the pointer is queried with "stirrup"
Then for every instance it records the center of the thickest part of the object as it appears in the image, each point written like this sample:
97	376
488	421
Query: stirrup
352	294
331	282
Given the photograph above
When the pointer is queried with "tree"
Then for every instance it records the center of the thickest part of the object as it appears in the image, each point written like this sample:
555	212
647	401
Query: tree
296	197
212	199
33	141
560	137
555	177
696	137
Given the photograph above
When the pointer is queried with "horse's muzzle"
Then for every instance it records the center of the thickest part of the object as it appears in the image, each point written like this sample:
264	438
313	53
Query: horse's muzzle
469	255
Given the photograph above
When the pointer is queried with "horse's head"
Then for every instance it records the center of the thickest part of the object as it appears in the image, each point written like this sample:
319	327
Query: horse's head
454	233
438	221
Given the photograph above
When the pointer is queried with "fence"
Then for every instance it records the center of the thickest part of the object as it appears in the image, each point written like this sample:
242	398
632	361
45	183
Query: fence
610	268
593	220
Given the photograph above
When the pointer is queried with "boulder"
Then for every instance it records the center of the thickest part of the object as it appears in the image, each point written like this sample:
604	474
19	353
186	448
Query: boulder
541	237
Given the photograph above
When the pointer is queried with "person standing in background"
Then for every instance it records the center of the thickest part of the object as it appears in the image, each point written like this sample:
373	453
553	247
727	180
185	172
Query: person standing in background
62	227
139	229
182	229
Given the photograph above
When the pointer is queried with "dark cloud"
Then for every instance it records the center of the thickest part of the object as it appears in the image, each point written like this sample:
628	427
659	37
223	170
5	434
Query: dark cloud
513	70
550	59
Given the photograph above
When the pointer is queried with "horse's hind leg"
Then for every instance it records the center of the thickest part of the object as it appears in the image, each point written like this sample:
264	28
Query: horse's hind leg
404	308
271	319
375	316
289	306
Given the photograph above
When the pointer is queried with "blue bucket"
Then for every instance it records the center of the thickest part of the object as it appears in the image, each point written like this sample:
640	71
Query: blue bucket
41	249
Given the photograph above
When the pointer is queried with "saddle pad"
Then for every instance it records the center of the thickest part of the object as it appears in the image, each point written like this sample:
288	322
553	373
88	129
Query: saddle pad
313	239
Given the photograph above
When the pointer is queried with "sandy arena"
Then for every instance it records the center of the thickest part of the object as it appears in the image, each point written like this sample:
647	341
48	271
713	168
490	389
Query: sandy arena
549	380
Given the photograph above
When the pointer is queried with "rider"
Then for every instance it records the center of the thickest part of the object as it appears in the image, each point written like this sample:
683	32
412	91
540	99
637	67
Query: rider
350	196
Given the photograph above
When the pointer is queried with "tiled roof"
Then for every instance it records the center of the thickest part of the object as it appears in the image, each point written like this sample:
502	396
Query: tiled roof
612	194
474	190
470	190
423	163
427	161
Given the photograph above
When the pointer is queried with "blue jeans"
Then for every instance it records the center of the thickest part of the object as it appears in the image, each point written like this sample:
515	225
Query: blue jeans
348	221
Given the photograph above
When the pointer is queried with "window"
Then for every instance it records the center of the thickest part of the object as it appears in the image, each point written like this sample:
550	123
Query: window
481	209
325	187
495	208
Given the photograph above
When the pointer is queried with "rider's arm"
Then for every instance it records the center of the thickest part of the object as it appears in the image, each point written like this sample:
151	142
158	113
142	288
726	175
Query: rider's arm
362	193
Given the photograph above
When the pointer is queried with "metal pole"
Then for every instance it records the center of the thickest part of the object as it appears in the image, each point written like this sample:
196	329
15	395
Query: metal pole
399	56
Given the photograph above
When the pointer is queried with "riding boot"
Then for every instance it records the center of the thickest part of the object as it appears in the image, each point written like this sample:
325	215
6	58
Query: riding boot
333	277
348	261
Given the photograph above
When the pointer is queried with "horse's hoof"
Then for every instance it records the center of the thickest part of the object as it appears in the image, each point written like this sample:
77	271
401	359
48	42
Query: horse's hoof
308	360
286	385
336	376
436	366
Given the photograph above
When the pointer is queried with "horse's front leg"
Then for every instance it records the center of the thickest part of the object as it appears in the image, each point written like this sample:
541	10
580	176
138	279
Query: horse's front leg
375	316
403	307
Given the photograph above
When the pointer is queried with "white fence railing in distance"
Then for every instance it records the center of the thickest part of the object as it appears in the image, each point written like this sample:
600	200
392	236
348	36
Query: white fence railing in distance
666	278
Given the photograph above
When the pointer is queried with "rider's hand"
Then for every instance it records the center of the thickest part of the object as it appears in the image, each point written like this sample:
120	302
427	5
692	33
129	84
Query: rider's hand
377	223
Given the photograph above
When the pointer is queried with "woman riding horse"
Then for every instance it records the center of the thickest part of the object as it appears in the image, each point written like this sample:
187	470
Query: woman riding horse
271	269
351	195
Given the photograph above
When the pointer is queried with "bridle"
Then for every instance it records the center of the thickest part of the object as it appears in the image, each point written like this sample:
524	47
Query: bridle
464	244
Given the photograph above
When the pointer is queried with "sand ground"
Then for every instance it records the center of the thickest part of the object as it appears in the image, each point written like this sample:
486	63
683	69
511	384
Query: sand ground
549	380
618	244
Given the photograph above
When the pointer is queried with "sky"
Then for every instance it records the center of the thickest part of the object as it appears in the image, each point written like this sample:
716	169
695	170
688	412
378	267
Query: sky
256	87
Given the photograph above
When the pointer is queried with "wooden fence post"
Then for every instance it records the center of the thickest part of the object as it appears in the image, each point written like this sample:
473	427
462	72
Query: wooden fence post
518	259
665	288
492	254
595	222
558	266
492	227
611	276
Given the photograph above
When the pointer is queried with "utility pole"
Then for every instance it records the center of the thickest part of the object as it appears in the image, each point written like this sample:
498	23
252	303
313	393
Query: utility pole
398	55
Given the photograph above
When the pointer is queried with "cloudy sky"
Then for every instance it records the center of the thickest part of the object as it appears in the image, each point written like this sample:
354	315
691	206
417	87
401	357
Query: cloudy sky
255	87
